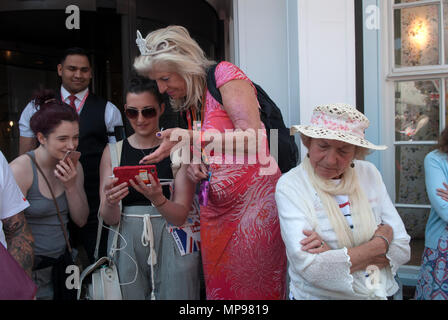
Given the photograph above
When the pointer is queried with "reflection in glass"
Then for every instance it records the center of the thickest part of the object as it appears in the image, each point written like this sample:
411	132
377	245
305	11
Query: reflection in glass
417	36
410	173
417	110
445	26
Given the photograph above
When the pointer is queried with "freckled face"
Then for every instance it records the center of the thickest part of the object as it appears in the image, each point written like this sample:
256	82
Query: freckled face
169	82
330	158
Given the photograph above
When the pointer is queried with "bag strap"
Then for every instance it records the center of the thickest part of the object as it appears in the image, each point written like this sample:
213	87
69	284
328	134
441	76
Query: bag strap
55	202
115	154
211	84
216	94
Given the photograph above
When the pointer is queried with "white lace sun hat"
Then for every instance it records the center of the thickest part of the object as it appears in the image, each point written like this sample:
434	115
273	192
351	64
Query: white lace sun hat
340	122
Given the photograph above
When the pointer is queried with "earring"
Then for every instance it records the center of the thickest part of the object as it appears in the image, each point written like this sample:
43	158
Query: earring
352	165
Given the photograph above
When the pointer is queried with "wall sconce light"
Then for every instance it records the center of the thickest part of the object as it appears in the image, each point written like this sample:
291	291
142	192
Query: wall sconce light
418	33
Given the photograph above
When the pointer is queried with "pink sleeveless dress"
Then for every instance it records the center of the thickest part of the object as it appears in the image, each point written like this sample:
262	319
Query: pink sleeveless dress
242	250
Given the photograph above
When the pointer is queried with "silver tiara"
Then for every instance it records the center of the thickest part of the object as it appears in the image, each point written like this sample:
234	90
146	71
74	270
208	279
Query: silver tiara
162	46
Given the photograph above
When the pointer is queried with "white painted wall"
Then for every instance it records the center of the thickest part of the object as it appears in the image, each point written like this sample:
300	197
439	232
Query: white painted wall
263	47
302	52
326	54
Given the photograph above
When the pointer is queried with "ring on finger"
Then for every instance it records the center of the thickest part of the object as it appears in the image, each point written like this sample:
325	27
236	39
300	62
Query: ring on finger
322	243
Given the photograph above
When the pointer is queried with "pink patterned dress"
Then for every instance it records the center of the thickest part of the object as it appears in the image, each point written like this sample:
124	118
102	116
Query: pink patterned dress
242	250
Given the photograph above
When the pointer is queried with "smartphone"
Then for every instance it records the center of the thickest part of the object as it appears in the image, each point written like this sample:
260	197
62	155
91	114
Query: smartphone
126	173
73	155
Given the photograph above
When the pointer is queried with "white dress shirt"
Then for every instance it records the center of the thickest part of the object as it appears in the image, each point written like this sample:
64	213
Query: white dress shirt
112	116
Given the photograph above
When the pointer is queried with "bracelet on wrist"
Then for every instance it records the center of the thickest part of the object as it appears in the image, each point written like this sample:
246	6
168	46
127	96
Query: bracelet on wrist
385	240
160	204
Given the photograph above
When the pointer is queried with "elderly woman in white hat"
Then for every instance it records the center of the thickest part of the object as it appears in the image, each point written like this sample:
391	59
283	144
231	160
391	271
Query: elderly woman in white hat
344	238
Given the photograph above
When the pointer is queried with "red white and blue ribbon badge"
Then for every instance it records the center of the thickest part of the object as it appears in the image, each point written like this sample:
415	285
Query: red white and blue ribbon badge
188	236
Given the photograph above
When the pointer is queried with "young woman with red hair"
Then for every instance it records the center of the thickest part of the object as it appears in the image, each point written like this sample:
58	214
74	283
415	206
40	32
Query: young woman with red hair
56	126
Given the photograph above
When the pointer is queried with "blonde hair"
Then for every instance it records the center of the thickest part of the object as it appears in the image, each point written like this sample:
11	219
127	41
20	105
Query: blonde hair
172	49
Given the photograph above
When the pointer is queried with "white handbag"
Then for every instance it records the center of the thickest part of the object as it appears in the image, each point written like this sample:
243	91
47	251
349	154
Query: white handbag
105	283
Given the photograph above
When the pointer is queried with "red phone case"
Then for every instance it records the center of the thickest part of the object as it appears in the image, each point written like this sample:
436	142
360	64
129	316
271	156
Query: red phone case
126	173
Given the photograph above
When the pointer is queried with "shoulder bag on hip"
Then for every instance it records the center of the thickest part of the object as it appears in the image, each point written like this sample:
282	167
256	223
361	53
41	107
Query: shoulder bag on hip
100	281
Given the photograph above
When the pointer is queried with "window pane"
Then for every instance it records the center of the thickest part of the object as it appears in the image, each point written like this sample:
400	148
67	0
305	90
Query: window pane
445	26
417	110
406	1
410	174
446	103
417	36
415	223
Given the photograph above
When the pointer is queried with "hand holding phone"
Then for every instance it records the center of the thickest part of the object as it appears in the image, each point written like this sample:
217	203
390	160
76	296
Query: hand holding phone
127	173
65	172
115	192
152	191
73	155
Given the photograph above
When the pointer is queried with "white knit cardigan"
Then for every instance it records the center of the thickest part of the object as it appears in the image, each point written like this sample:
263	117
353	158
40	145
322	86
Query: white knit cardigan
327	275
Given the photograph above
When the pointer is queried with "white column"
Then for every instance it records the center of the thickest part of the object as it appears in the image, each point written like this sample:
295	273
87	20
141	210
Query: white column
326	54
263	45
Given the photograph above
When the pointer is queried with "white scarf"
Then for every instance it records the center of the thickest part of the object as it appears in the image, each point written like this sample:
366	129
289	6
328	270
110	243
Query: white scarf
364	225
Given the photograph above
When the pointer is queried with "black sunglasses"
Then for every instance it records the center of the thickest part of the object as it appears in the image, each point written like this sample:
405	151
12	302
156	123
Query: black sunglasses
147	113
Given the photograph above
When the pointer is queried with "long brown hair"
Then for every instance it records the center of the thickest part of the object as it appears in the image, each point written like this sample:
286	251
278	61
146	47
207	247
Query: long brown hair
443	141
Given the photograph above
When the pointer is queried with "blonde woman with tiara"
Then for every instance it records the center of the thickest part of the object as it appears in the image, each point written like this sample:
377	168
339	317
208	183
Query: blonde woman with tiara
242	251
344	238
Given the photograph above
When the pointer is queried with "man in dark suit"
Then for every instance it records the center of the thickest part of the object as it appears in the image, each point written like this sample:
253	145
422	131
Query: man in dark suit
98	118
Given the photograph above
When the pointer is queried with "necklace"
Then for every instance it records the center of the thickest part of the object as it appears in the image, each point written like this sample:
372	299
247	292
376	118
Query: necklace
142	150
144	155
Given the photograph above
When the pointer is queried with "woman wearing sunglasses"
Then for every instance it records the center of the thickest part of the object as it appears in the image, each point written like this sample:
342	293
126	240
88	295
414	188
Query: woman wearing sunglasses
149	263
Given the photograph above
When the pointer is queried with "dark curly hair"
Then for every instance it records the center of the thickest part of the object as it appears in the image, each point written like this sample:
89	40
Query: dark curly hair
50	112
